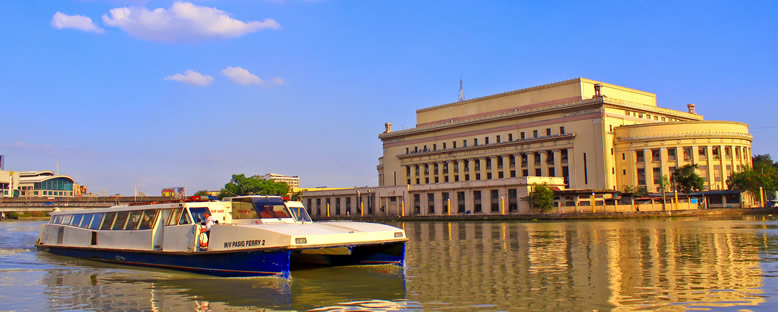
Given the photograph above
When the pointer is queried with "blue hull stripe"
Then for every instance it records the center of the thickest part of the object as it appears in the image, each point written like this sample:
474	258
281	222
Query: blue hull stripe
235	264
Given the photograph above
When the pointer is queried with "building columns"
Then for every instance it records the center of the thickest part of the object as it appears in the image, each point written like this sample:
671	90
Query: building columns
544	163
506	166
557	163
648	170
531	164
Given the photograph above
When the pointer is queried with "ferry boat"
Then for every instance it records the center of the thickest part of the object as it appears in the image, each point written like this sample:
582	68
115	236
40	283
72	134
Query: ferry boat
252	236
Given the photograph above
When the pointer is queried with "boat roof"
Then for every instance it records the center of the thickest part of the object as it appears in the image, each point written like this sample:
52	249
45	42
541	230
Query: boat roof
137	207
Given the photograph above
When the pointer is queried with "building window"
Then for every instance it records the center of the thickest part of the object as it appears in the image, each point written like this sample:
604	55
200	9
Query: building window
415	149
548	131
444	145
561	130
464	143
477	201
475	142
522	135
454	144
498	139
534	133
434	147
431	203
510	136
461	202
495	201
512	200
446	202
486	140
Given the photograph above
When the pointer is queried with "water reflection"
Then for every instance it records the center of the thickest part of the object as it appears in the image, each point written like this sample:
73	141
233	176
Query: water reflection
662	264
97	286
621	265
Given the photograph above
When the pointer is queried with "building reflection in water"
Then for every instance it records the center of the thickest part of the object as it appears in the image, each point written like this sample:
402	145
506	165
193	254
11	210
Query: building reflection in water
621	265
561	266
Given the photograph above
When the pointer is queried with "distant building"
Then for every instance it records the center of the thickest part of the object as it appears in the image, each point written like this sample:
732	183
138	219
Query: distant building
36	184
480	155
292	181
177	192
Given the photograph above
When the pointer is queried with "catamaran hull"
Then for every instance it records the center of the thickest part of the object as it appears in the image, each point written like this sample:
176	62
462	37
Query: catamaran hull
239	263
233	264
386	253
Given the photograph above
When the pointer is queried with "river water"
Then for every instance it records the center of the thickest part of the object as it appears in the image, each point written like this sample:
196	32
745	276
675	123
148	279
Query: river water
674	264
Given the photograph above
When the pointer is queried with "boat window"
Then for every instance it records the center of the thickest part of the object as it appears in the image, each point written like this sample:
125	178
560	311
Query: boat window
300	214
121	219
108	221
184	218
147	221
197	214
58	220
273	211
133	220
175	216
85	220
165	217
95	225
66	219
243	208
76	220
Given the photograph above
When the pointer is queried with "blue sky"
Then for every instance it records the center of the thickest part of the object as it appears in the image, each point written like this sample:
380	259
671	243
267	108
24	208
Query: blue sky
304	87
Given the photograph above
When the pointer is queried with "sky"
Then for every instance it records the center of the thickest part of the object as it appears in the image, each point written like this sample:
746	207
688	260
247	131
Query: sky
158	94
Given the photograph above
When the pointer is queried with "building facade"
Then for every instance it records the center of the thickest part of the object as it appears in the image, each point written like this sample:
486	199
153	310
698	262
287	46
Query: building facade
587	134
37	184
292	181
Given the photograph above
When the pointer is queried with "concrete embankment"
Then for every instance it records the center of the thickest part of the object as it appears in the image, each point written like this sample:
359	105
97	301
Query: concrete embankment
570	216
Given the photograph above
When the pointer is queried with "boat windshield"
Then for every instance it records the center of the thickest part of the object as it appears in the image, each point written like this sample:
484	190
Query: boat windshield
300	214
271	210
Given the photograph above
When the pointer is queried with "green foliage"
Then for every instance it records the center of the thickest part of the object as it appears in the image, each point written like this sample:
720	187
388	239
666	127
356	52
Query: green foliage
201	193
664	184
296	196
633	191
542	197
254	185
687	180
764	174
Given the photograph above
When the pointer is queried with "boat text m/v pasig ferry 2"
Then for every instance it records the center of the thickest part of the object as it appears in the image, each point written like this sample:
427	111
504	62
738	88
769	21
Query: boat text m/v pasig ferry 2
253	236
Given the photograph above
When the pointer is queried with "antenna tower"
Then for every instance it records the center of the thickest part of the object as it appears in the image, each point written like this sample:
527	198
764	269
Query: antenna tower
461	91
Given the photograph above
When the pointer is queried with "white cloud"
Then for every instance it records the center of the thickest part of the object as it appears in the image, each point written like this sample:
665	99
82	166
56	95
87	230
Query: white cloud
191	77
61	21
242	76
184	21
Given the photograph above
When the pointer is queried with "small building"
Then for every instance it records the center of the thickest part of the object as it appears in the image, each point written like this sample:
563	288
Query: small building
36	184
292	181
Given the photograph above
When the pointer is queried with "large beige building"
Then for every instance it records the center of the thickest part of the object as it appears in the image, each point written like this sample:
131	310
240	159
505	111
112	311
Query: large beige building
577	134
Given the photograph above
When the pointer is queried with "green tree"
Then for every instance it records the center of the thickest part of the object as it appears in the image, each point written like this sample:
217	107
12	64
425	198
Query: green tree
764	174
254	185
687	180
542	197
635	191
